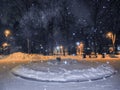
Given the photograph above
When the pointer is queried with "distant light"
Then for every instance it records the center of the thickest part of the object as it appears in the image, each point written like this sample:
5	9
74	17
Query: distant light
61	47
77	43
57	47
109	34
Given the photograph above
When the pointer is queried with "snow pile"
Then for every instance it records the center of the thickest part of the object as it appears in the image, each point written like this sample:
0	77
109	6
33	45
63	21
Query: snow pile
23	56
64	71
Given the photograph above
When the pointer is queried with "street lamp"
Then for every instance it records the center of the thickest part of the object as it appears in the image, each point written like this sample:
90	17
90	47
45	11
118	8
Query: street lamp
5	45
7	32
80	47
59	50
112	36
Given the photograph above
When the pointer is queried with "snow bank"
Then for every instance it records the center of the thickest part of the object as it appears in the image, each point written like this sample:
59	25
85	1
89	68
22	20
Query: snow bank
23	56
64	71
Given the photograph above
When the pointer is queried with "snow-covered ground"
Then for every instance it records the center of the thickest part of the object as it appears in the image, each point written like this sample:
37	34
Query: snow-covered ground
8	81
64	71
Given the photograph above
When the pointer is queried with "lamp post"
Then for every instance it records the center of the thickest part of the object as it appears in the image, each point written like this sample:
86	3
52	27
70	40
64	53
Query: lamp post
112	36
7	34
80	47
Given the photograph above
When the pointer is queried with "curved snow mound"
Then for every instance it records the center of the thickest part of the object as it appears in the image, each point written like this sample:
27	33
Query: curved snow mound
64	71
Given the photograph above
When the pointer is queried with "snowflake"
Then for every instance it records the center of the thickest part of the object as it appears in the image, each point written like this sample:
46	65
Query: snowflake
67	7
73	34
69	13
17	34
101	31
100	22
41	47
84	20
104	6
35	33
32	4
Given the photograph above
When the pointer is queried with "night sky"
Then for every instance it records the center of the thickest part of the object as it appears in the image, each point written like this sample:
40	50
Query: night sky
45	24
